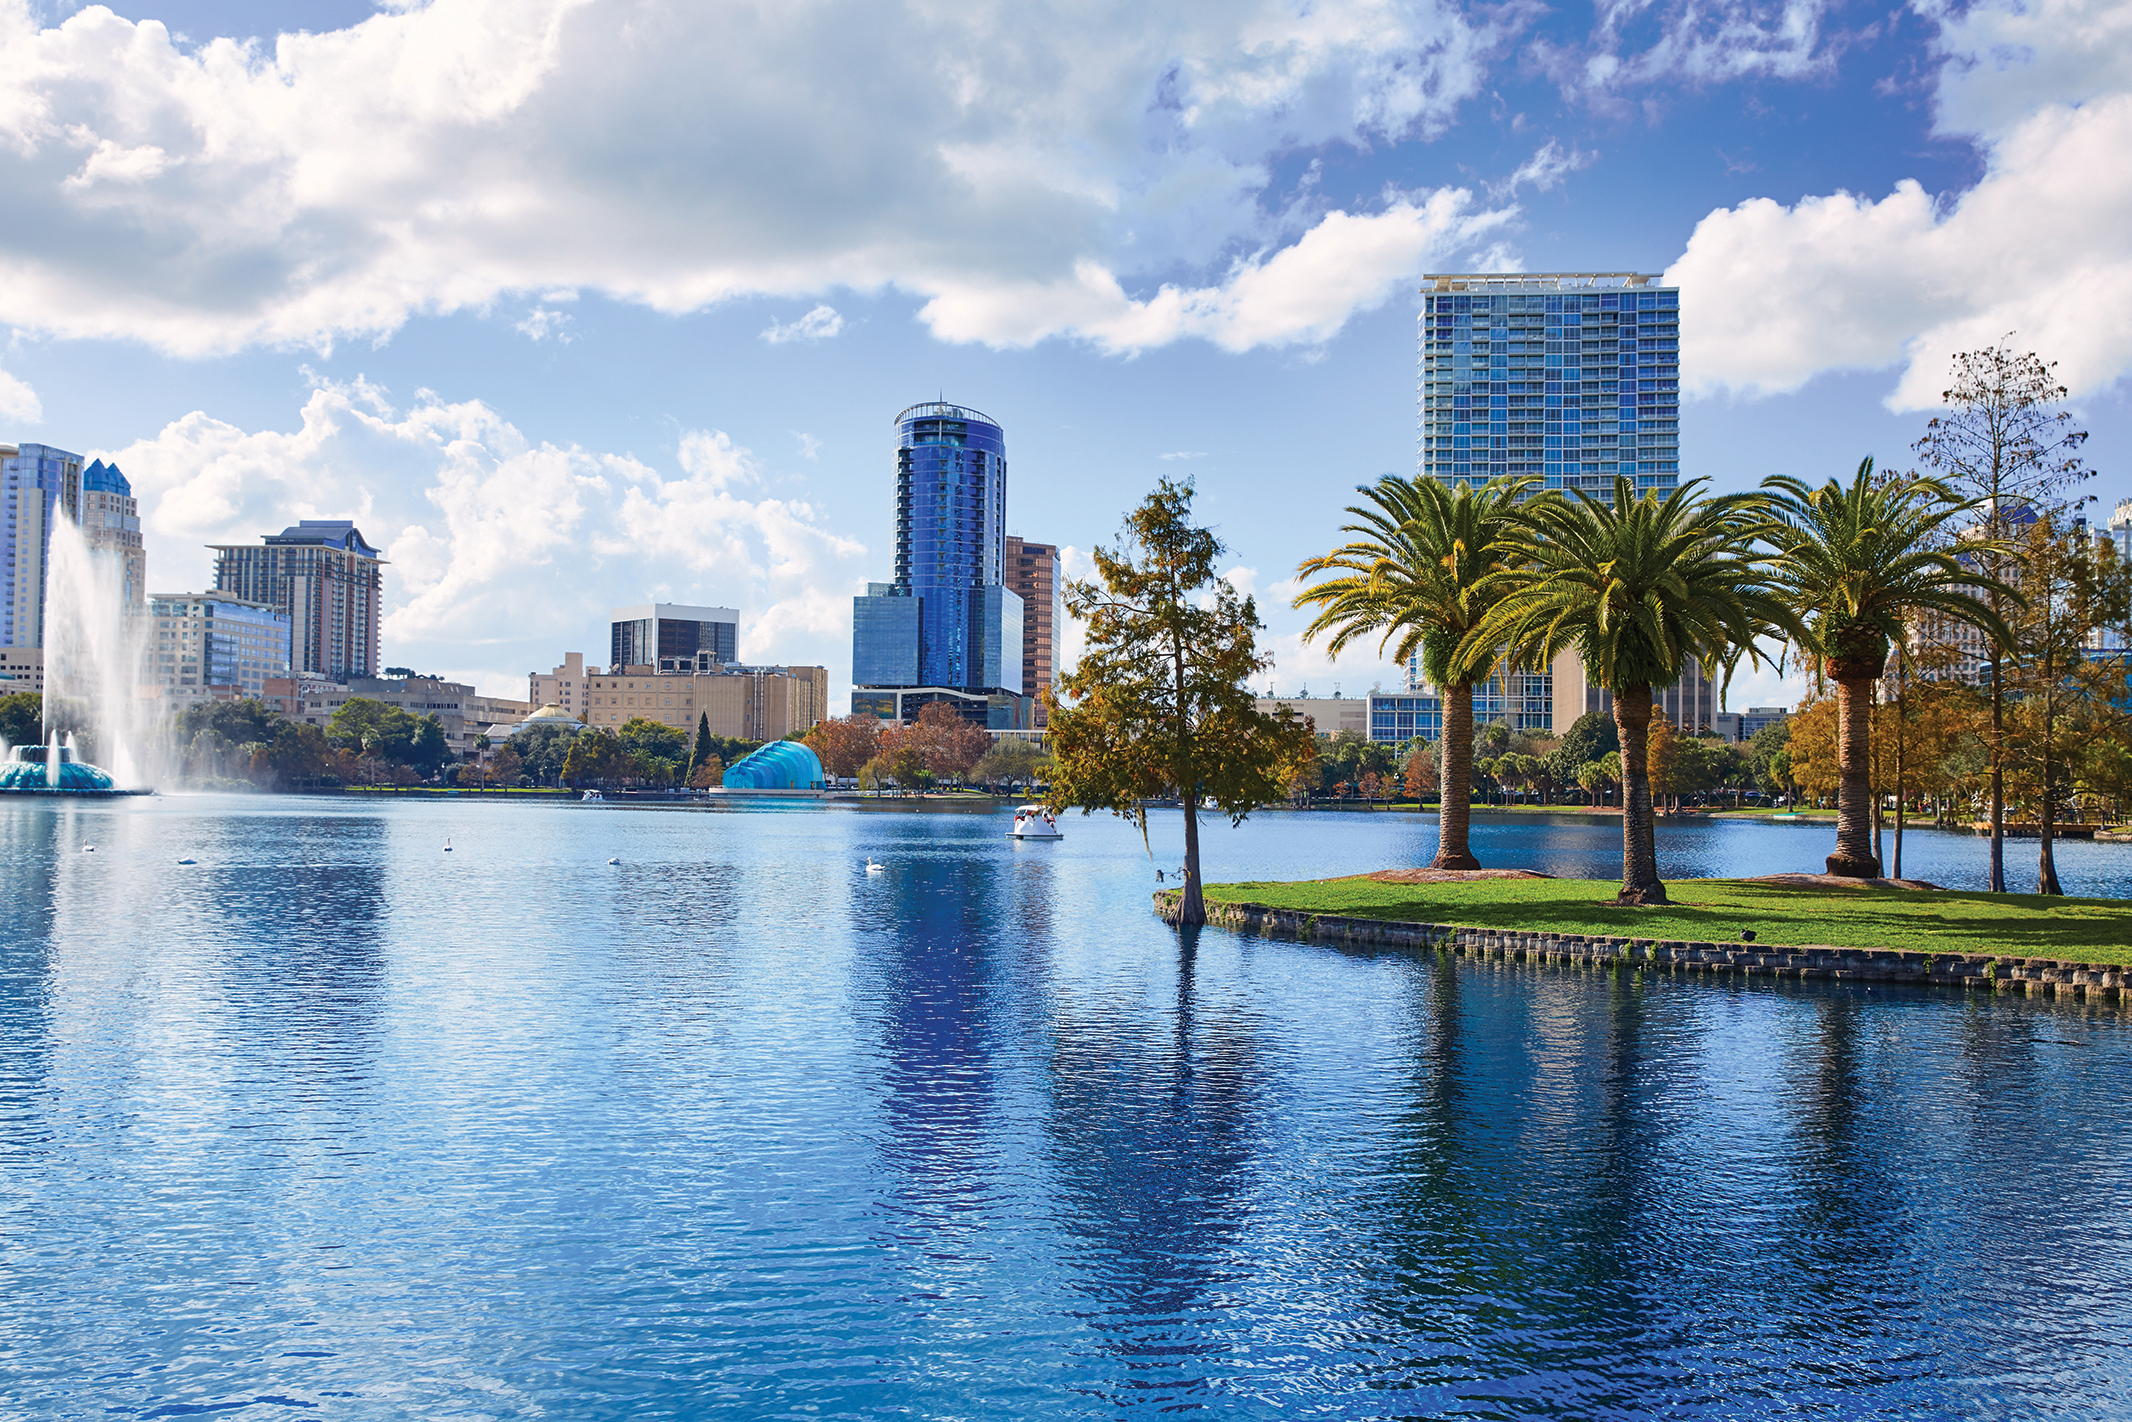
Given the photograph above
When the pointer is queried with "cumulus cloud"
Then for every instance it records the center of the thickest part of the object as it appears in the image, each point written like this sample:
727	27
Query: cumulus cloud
2037	247
18	402
1018	168
1300	293
817	325
1699	41
503	553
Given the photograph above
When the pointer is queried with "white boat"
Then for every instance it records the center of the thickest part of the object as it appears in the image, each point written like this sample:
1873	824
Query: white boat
594	795
1034	822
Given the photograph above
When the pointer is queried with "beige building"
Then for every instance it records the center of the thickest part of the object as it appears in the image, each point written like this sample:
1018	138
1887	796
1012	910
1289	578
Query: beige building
564	687
24	669
1330	714
753	703
1033	572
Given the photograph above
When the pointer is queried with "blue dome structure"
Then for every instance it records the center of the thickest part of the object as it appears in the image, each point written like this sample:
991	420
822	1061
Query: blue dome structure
780	765
28	772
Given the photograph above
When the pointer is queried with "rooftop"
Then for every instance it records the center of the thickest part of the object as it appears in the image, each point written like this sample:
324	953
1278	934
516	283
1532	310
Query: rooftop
1533	281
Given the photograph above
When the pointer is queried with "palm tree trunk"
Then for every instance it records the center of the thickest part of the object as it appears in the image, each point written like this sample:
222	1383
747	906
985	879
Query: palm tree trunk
1454	781
1639	833
1854	857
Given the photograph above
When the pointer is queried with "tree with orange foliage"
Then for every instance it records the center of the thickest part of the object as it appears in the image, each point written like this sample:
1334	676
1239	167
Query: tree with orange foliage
844	743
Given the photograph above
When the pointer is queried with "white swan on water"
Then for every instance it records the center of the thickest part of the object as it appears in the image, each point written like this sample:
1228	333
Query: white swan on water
873	868
447	844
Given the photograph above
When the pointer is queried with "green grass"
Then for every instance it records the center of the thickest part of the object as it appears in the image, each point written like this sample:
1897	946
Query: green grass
1715	910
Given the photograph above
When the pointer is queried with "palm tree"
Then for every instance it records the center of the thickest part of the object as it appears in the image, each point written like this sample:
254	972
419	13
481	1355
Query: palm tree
1414	574
1858	564
1642	587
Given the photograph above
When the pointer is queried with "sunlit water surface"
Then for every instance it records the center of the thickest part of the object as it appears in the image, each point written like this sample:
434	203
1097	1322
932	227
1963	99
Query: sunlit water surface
334	1123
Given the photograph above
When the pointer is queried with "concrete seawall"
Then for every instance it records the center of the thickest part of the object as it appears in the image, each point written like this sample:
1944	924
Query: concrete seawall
2044	977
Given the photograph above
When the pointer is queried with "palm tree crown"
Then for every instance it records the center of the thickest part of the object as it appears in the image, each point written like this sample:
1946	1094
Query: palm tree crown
1861	562
1414	572
1641	587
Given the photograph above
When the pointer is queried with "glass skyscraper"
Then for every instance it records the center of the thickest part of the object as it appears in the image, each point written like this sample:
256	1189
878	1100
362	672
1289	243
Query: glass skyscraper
947	626
1570	376
1573	377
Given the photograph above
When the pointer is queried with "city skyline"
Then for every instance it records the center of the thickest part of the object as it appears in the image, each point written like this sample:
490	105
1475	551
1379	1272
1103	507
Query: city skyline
1194	246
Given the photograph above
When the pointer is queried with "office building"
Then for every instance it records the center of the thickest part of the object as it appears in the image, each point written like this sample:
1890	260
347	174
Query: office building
1329	715
563	688
753	703
673	637
1573	377
40	485
1033	571
210	646
949	627
21	669
328	579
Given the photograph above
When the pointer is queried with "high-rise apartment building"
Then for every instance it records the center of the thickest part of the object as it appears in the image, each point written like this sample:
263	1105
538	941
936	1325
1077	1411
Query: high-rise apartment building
198	642
327	578
948	628
1034	574
1570	377
39	486
673	637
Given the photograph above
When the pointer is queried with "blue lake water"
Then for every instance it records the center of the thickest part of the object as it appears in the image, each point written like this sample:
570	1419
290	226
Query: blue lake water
335	1124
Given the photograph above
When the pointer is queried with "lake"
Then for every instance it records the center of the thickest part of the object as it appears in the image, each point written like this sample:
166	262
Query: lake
333	1123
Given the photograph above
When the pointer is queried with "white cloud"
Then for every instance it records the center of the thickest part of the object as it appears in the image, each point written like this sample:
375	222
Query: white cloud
542	322
810	447
18	402
819	324
1699	41
1300	293
1016	167
503	553
2037	247
1547	168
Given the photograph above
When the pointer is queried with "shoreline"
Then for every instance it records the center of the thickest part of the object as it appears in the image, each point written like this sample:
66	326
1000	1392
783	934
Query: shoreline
2065	980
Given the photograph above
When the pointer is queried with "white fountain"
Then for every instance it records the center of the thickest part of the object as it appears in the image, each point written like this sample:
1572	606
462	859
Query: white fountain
93	645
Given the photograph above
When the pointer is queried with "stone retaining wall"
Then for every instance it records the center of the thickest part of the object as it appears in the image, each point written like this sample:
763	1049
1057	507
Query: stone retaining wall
2049	977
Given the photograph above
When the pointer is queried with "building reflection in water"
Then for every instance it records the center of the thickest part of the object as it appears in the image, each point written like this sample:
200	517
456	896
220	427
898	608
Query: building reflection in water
1153	1134
949	942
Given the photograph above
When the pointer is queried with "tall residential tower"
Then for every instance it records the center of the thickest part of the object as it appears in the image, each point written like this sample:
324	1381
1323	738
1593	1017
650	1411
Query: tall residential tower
1571	376
948	628
328	580
40	485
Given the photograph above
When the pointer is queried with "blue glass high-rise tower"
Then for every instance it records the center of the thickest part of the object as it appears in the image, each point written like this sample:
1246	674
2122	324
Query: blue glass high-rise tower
947	628
1571	376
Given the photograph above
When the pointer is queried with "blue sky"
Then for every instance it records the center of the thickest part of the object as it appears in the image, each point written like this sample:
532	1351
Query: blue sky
576	303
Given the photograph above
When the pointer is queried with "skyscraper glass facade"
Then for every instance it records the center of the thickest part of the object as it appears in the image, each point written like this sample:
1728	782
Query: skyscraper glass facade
1573	377
962	628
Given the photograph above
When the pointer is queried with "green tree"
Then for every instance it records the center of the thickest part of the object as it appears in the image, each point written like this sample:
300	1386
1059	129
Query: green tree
1590	736
2007	443
22	718
1859	564
1012	760
702	754
1641	587
1159	703
297	753
541	751
1417	575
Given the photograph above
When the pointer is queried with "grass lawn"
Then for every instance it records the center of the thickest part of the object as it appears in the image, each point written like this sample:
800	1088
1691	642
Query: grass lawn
1715	910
